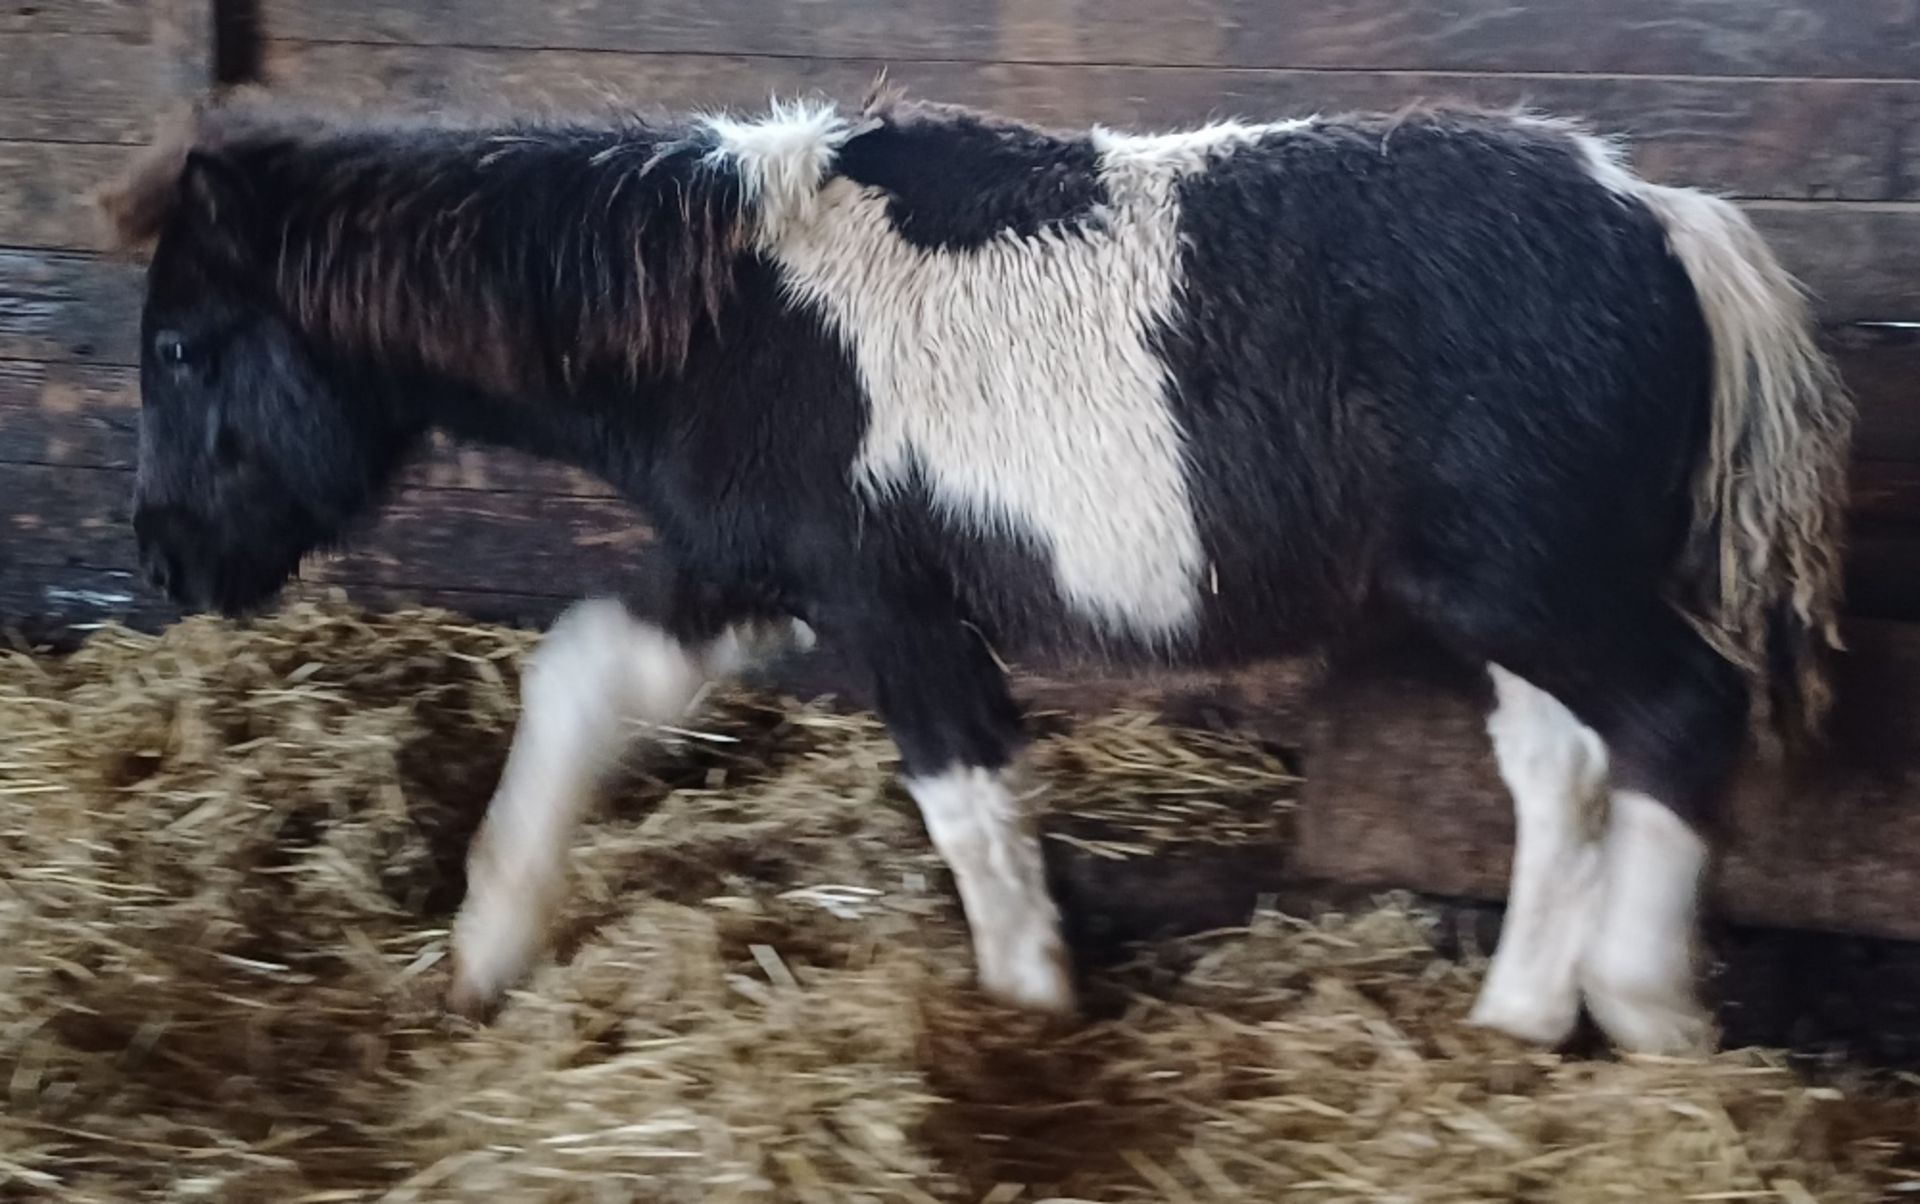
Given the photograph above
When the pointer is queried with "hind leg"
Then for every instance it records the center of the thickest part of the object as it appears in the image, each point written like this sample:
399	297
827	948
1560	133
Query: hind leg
1555	767
1640	975
1673	716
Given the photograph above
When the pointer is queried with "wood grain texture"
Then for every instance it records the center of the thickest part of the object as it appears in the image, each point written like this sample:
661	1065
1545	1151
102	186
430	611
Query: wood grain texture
43	187
1717	37
1861	262
182	47
86	416
20	17
1402	791
68	307
63	604
1881	366
76	87
1883	572
428	538
1798	139
72	415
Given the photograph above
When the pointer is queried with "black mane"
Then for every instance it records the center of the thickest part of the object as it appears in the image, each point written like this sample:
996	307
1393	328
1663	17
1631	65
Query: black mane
466	245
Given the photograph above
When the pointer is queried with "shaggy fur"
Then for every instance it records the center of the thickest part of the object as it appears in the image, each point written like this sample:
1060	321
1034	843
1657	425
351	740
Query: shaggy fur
942	386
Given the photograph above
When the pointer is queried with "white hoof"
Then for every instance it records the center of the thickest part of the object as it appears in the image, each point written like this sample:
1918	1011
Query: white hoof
1666	1023
499	932
1036	977
1526	1016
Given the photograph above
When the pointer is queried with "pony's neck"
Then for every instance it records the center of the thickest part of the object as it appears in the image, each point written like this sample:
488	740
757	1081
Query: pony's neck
607	436
531	265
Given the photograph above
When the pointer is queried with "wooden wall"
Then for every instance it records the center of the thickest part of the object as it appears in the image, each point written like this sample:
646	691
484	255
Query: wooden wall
1808	111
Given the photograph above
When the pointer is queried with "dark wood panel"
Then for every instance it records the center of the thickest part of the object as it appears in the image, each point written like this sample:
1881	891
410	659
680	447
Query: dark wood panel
19	17
182	38
1883	572
86	416
64	516
1401	791
58	604
77	415
1886	493
1881	366
76	88
43	187
1862	262
57	306
1719	37
1854	140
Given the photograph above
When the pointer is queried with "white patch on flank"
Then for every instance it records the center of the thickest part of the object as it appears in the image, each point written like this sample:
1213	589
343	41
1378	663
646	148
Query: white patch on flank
598	676
1556	768
1639	974
985	834
1019	377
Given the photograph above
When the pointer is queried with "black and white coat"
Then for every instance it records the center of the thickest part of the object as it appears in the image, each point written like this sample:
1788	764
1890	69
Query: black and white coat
960	387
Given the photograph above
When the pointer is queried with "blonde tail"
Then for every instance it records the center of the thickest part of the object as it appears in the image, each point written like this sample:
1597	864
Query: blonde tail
1765	546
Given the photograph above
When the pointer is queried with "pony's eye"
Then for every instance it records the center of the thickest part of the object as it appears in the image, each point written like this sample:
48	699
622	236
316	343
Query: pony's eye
169	348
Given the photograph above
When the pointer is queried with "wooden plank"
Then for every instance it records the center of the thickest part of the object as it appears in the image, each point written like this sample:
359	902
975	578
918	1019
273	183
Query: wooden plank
76	88
1801	139
86	416
75	415
43	187
1862	262
59	306
1717	37
59	604
1883	573
182	32
1886	493
1881	366
1402	791
423	538
72	16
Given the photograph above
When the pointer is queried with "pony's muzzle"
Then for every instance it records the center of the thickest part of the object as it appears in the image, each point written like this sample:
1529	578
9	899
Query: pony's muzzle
160	532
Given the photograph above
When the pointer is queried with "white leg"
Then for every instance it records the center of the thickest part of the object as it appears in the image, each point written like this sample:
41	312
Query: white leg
1555	767
1639	973
983	830
598	674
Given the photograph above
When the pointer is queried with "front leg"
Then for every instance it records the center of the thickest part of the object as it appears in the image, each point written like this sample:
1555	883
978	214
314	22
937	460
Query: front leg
599	677
959	732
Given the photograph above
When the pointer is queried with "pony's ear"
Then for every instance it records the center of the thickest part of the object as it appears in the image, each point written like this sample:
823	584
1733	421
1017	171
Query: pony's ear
213	193
211	188
136	207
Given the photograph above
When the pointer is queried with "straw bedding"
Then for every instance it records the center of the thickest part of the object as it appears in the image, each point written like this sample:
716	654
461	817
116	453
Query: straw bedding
229	857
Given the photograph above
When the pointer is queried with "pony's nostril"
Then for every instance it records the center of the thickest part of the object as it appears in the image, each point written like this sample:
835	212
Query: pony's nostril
158	532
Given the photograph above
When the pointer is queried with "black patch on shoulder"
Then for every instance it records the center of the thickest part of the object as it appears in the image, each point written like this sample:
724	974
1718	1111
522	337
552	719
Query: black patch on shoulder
957	179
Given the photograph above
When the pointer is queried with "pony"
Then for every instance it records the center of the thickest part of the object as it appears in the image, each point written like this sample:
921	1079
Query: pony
946	389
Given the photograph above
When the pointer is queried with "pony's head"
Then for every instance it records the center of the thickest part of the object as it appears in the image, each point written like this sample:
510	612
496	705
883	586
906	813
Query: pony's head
323	287
253	450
